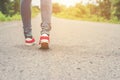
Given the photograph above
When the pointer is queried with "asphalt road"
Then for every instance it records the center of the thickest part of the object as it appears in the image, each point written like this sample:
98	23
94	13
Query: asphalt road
79	50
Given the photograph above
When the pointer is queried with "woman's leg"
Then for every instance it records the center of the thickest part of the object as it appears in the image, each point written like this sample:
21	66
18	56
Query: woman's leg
46	11
26	17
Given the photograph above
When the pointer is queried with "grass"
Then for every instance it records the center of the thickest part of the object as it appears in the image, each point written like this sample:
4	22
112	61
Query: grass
93	18
8	18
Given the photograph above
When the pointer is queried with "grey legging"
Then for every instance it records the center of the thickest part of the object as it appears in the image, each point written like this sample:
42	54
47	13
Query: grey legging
46	11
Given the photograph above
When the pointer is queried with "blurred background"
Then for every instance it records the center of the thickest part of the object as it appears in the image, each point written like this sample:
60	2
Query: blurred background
88	10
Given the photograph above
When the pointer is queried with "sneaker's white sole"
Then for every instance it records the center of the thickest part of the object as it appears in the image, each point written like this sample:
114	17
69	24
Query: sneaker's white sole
30	44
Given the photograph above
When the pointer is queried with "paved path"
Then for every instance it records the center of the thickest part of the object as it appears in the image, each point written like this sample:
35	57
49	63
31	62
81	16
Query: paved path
79	51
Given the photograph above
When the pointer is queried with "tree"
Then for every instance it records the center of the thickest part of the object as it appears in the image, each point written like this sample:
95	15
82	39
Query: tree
9	7
4	6
16	6
104	8
81	10
58	8
116	8
93	9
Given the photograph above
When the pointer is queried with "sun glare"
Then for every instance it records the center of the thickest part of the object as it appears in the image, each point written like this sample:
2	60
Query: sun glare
67	2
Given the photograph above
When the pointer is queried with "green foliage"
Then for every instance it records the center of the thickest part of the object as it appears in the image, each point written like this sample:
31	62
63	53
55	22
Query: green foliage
9	7
4	6
17	16
16	6
116	8
104	8
114	19
57	8
103	12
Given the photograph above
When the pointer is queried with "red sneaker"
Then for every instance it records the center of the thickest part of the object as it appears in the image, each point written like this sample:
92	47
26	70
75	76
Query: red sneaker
44	41
29	41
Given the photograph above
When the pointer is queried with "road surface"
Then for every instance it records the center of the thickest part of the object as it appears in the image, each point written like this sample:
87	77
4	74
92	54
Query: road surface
79	50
